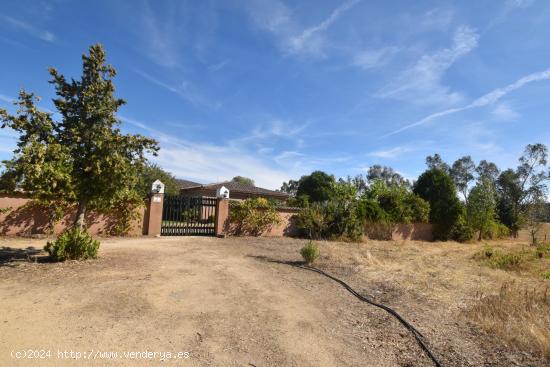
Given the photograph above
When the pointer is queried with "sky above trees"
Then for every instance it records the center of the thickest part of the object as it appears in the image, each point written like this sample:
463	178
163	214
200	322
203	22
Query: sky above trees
273	90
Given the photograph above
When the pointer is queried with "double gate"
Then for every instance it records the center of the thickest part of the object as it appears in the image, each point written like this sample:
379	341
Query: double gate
188	216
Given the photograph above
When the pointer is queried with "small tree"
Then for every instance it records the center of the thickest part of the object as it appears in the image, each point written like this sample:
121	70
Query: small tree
534	218
481	207
521	189
462	173
83	158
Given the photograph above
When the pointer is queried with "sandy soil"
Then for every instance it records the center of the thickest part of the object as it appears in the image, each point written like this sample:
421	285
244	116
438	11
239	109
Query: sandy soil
237	302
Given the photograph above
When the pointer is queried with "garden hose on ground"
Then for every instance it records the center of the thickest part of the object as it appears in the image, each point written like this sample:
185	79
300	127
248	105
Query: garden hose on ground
417	335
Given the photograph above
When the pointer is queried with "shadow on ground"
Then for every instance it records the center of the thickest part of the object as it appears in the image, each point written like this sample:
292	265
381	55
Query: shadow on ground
10	256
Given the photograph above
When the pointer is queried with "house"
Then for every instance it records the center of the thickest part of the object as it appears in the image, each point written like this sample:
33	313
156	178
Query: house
236	190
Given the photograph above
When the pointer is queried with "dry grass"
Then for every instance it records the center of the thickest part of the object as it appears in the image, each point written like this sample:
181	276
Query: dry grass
518	315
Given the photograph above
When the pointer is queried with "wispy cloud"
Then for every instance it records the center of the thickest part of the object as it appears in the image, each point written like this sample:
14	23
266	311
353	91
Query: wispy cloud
29	28
162	35
309	40
6	99
437	19
504	112
219	66
422	84
185	90
390	153
275	17
373	58
482	101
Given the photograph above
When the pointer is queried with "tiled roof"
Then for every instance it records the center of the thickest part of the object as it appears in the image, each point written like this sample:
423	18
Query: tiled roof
185	184
242	188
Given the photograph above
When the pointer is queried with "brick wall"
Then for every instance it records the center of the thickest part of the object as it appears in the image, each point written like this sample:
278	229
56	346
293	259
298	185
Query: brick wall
19	218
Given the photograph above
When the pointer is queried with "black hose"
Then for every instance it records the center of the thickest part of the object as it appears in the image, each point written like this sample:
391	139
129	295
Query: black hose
417	335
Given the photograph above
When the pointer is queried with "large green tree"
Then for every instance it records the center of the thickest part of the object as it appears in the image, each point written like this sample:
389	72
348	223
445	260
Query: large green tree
437	188
83	157
316	187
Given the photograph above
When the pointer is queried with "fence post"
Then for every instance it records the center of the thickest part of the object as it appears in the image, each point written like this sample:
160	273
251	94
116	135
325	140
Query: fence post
156	202
222	216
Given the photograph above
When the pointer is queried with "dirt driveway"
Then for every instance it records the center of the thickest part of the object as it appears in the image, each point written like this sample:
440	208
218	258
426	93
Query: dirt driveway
222	301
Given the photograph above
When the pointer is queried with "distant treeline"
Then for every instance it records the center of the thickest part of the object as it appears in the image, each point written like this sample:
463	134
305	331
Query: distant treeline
462	199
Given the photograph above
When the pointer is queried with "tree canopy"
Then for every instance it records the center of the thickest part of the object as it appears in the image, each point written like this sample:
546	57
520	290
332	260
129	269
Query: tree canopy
243	180
317	187
437	188
151	172
83	158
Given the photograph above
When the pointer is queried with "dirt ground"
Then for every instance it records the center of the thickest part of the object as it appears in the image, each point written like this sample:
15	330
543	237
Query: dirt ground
240	302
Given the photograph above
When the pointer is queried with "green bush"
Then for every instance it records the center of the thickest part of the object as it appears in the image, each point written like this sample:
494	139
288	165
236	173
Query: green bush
73	244
330	220
310	252
543	250
461	231
545	275
495	231
499	259
253	216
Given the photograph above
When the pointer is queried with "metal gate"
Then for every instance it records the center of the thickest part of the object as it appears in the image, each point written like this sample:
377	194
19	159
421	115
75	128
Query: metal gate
188	216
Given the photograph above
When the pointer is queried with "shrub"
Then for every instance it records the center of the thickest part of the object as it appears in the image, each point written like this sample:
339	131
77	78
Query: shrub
331	220
545	275
310	252
253	216
461	231
499	259
495	231
73	244
312	222
543	250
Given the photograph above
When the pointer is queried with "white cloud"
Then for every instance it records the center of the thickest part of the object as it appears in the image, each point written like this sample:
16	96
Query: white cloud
6	99
482	101
422	82
219	66
276	17
373	58
505	112
390	153
520	3
309	40
437	19
32	30
206	162
185	90
163	36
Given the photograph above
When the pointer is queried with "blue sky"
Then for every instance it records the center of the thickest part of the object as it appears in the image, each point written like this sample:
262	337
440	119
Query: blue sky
273	90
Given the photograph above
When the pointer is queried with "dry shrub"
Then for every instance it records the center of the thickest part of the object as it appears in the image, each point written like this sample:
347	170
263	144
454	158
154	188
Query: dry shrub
518	315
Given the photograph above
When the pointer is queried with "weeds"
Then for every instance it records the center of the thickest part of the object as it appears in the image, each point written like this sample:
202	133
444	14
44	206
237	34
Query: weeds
499	259
519	315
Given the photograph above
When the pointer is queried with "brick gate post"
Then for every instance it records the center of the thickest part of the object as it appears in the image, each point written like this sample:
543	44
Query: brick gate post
222	217
154	209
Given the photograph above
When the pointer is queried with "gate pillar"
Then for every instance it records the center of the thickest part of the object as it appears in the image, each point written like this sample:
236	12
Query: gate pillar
222	217
154	209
